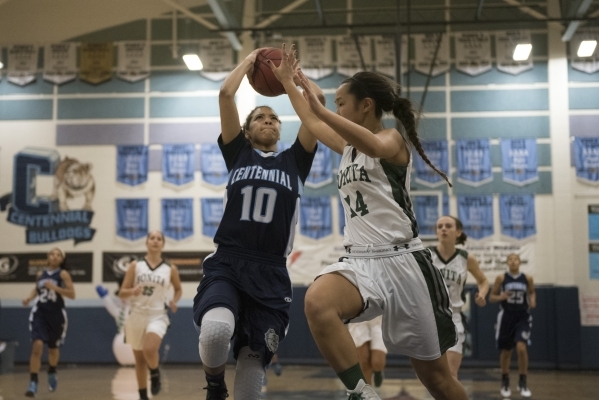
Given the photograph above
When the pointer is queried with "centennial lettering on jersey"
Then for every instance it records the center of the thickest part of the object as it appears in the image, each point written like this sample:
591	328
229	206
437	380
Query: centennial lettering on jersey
350	174
257	172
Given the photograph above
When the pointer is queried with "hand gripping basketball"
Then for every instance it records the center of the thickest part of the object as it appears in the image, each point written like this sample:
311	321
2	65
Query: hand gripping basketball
263	80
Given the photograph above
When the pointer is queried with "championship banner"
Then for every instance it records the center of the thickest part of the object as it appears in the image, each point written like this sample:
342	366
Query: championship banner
134	61
212	213
437	153
177	218
473	52
476	214
132	165
276	40
178	163
348	58
424	52
189	264
306	261
384	55
492	256
517	215
427	210
132	218
96	62
321	173
341	215
474	162
316	220
24	267
586	159
217	58
316	53
519	161
60	62
22	64
212	164
505	44
590	64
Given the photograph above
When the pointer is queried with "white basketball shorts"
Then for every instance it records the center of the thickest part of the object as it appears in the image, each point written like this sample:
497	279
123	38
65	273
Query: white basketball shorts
140	323
368	331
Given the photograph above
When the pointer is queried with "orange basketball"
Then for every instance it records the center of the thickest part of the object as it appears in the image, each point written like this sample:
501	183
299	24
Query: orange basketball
264	81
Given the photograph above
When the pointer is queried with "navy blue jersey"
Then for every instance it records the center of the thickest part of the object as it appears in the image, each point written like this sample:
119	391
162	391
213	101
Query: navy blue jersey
49	300
517	285
262	198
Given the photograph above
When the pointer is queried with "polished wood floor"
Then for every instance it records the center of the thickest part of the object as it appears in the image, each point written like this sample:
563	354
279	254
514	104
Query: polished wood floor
296	383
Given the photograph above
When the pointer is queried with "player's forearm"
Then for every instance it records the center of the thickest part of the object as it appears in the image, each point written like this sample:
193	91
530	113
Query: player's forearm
126	293
233	80
495	298
483	288
70	293
177	295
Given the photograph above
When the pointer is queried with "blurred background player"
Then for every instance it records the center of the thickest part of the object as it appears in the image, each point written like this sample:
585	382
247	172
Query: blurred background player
368	337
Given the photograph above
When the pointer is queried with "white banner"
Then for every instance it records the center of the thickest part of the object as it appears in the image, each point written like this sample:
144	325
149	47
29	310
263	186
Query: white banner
60	62
22	64
134	61
384	55
589	310
316	55
473	52
306	261
505	44
584	64
424	52
348	58
492	256
217	58
277	41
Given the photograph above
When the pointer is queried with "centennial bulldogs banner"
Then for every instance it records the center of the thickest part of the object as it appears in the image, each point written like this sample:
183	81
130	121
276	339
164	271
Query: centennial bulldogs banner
316	220
492	256
384	55
476	214
24	267
177	218
517	215
519	161
217	58
134	61
348	57
178	163
321	173
132	218
22	64
590	64
212	213
586	159
212	164
505	44
473	52
474	162
96	62
425	46
132	165
60	62
436	150
316	55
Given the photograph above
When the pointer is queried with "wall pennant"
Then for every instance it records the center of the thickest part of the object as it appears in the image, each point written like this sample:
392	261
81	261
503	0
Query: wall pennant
476	214
22	64
586	159
473	52
316	219
519	161
132	218
134	61
177	218
96	62
517	215
505	44
60	62
474	162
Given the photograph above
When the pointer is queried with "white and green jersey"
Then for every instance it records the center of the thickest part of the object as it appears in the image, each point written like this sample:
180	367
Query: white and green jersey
455	272
156	284
375	199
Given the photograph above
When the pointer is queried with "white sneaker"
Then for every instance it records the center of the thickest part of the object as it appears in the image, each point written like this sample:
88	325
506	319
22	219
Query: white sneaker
525	391
363	392
505	391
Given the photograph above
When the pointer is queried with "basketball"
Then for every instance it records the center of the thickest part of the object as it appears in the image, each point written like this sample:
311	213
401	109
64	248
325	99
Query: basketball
264	81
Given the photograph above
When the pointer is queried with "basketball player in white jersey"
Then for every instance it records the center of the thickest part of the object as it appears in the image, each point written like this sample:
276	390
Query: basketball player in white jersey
454	265
368	337
147	284
387	270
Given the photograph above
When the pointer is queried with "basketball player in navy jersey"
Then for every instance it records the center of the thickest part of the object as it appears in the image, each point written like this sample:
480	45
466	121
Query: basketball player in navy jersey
516	292
48	318
246	291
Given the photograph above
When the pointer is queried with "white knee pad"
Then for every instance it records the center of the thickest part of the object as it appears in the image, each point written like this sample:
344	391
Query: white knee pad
249	374
216	331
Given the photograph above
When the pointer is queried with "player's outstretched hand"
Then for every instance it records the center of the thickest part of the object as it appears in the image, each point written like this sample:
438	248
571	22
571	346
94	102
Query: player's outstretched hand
315	105
480	300
252	59
137	290
288	66
173	306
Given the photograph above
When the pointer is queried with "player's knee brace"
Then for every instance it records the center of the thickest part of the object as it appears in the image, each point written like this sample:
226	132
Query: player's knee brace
216	331
249	374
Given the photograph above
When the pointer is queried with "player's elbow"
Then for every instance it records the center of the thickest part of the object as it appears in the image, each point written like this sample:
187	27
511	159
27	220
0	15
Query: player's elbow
225	93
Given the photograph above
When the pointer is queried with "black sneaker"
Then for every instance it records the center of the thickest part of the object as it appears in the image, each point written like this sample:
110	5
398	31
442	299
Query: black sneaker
216	391
156	384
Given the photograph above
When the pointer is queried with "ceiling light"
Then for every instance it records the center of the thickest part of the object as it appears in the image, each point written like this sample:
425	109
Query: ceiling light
193	62
522	52
586	48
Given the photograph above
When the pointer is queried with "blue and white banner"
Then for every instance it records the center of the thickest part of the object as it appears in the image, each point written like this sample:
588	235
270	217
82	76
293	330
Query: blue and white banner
474	162
321	173
177	218
212	164
586	159
178	163
132	165
212	213
476	214
427	210
316	220
517	215
519	161
341	215
132	218
436	151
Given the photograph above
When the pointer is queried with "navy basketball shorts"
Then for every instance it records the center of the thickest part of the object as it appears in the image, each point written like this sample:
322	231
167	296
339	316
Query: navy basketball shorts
49	327
512	327
258	295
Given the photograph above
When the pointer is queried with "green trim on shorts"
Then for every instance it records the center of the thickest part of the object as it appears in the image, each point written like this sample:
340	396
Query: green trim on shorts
437	291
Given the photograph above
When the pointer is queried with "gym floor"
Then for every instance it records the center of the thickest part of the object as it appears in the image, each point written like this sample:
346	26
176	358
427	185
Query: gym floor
77	382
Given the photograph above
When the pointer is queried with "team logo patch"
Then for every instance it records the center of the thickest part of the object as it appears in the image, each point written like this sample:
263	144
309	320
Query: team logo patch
272	340
288	299
526	335
8	265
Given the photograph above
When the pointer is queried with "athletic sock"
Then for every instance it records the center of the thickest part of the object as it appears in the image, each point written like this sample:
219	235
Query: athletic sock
33	377
154	374
378	378
215	380
350	377
51	369
143	394
522	379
